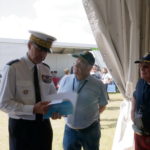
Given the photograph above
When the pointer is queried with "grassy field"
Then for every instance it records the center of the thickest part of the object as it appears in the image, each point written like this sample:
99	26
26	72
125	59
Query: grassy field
108	124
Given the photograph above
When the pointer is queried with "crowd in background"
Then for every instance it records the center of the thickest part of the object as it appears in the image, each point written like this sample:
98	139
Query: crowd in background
99	73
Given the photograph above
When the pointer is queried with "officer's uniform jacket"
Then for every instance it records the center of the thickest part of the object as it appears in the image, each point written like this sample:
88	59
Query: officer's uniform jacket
17	93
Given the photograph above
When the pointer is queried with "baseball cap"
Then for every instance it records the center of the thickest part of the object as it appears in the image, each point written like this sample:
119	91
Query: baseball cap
87	56
145	59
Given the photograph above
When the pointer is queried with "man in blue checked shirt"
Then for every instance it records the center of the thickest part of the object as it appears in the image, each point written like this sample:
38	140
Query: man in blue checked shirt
82	128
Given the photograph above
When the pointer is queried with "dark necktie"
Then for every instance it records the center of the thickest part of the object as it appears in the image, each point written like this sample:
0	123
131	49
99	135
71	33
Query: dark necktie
37	91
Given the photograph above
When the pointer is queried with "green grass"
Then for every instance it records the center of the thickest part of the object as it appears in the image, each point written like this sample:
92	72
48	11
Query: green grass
108	124
108	121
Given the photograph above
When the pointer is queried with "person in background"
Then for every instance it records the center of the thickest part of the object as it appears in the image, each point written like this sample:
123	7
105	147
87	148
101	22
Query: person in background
25	84
66	71
106	77
0	77
55	79
52	73
140	112
82	129
71	70
95	72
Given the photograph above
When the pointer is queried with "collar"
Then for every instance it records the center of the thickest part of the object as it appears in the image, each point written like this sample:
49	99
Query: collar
29	63
87	78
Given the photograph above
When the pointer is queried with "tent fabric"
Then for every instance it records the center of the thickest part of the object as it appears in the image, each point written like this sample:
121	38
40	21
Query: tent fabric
122	32
98	58
57	47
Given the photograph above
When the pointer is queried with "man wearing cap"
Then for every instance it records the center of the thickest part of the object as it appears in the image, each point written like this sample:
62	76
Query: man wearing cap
82	128
25	83
140	112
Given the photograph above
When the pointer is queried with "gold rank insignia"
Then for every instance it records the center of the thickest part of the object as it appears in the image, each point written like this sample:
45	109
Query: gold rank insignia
47	78
25	92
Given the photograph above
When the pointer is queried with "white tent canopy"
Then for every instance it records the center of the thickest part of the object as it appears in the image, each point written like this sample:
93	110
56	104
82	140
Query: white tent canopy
60	59
57	47
122	32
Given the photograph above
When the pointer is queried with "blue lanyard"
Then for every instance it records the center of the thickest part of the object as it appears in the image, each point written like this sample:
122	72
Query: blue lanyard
79	90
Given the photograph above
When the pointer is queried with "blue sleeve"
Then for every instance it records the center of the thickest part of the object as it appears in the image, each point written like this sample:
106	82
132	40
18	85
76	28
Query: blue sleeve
62	83
139	88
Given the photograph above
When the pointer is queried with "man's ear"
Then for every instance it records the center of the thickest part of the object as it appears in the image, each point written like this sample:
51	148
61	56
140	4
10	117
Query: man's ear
29	45
89	68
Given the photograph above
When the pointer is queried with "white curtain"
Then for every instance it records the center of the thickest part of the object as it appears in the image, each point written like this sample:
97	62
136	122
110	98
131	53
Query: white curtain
121	29
98	59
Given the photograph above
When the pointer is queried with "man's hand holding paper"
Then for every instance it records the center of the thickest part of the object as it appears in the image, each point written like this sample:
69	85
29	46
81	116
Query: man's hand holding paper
62	104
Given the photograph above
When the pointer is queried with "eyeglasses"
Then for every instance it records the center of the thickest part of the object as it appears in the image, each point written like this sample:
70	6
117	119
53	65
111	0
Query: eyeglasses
144	66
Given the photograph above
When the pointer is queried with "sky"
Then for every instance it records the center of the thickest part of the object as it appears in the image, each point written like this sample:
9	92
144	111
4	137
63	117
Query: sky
64	19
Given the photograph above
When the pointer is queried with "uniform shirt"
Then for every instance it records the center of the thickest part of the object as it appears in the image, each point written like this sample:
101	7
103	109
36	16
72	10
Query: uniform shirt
17	94
91	95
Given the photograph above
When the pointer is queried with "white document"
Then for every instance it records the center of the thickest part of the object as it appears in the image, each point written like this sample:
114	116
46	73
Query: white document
59	97
62	103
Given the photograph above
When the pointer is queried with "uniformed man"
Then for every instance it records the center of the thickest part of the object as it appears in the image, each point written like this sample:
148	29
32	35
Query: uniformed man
25	83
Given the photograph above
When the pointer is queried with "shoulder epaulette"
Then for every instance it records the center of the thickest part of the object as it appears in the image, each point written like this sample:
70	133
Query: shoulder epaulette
46	65
12	62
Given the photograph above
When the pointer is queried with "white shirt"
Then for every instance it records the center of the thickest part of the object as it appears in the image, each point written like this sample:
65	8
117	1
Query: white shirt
17	96
106	78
